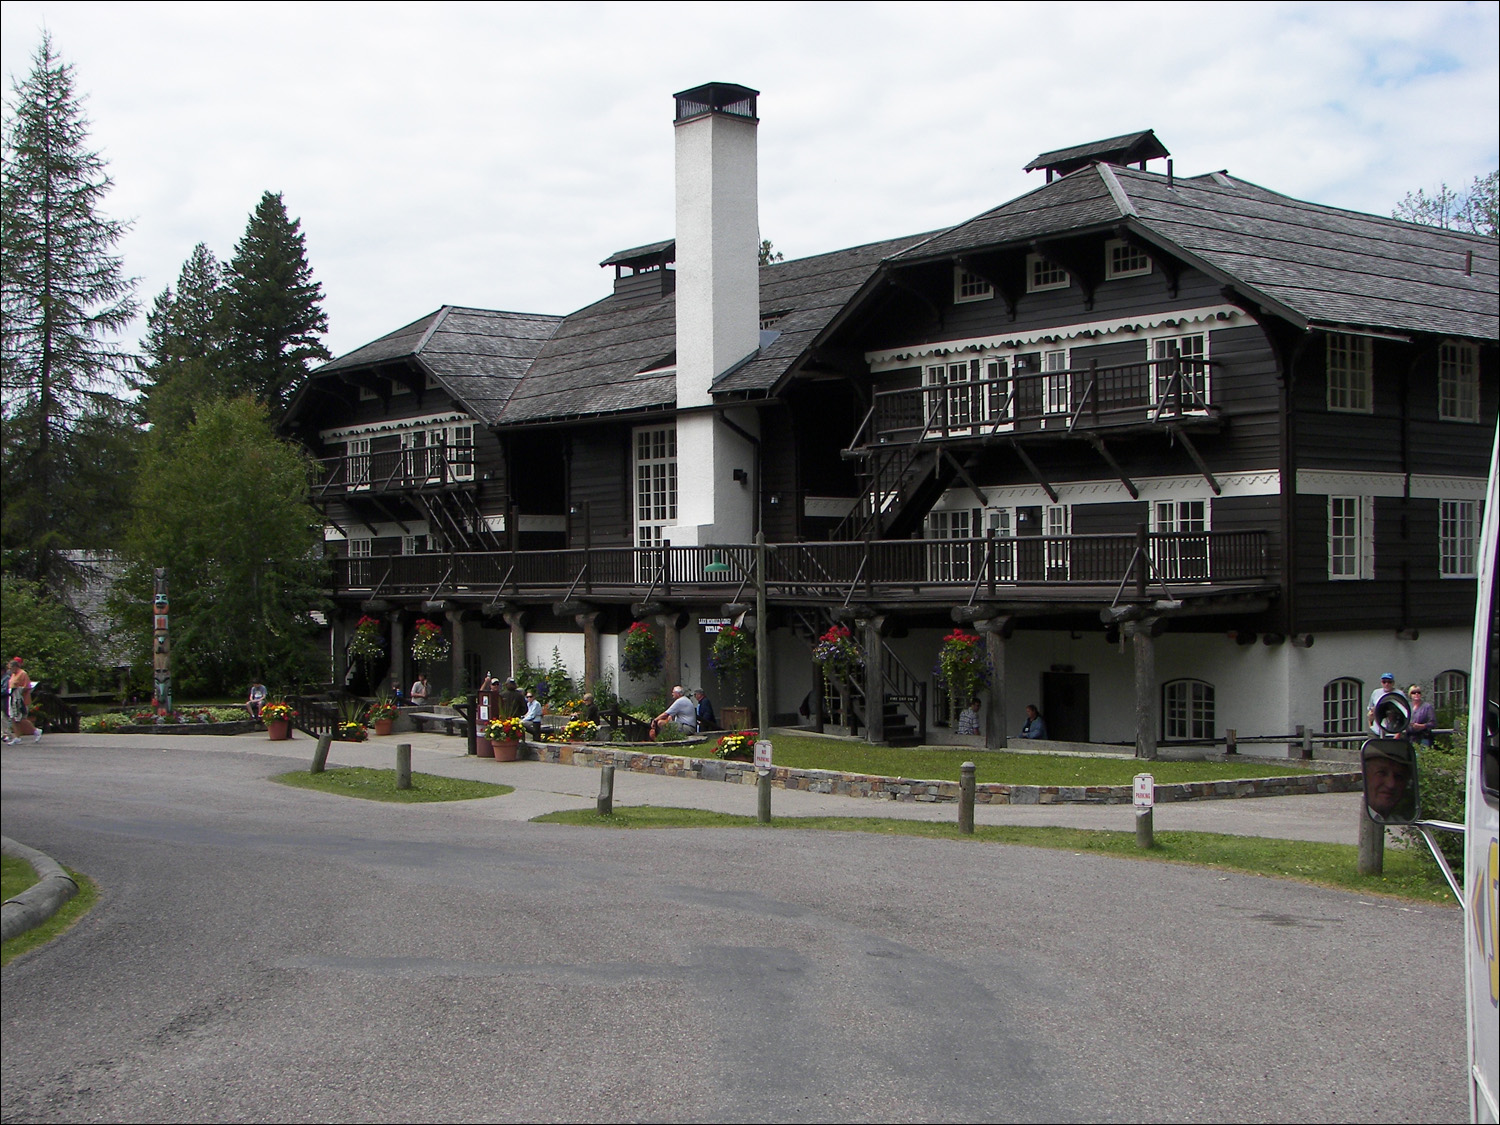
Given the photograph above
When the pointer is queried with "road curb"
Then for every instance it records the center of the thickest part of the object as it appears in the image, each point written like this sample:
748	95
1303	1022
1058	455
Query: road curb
36	904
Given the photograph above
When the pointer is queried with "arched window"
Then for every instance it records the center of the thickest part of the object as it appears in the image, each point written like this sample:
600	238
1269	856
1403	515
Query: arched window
1450	691
1344	706
1187	709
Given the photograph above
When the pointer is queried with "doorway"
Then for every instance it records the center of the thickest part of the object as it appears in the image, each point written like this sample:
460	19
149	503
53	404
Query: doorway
1065	705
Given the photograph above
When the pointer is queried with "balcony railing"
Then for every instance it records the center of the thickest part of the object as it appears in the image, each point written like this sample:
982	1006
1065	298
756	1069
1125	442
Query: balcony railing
1091	397
396	470
822	571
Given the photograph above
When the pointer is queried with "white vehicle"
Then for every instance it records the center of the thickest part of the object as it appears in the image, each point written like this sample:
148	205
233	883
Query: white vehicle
1392	796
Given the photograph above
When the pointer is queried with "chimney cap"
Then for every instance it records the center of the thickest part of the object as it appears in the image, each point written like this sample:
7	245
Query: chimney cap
716	97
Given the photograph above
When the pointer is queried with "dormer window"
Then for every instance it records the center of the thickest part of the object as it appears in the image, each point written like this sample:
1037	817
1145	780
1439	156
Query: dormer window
1121	259
1042	275
970	287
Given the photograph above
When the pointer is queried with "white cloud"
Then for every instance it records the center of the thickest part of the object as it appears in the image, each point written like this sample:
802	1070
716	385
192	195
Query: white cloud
492	155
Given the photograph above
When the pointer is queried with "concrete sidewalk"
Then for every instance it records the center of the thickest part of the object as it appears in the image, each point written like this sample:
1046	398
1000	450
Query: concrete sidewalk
542	788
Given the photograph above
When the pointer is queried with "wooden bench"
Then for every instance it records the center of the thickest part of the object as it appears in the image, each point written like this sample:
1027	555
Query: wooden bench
422	718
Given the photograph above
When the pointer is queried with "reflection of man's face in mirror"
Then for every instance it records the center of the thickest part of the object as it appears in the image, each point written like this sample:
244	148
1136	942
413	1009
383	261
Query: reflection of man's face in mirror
1386	783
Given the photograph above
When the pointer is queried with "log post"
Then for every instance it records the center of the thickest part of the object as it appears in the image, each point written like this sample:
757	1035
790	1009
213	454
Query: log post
514	619
1371	844
403	765
763	796
320	754
966	799
1146	719
589	623
994	631
606	803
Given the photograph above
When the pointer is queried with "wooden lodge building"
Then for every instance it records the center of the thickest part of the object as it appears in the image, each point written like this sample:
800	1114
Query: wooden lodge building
1176	446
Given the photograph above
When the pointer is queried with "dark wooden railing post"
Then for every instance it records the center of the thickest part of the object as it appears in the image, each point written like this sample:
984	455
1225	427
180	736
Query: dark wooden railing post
990	561
666	569
1142	546
588	551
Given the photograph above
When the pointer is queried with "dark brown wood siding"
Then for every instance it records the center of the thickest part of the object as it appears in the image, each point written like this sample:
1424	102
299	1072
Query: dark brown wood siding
600	476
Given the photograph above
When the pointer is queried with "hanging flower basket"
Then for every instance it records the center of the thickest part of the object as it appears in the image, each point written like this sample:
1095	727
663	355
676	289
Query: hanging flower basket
963	665
732	655
838	654
429	646
368	641
640	652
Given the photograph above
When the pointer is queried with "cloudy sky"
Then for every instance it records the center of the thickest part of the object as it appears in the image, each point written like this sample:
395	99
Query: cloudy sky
492	155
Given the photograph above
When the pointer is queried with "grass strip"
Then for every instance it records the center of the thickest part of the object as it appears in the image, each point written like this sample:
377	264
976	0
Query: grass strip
15	876
380	785
1325	865
998	766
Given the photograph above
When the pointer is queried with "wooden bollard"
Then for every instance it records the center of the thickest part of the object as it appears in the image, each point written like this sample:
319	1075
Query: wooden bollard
1371	844
606	803
763	796
1231	741
403	765
966	798
320	755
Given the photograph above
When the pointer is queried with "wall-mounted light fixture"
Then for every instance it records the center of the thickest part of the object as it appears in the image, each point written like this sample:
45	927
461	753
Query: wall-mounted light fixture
741	477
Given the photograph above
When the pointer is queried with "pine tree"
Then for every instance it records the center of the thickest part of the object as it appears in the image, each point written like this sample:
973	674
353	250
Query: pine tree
63	299
275	312
186	359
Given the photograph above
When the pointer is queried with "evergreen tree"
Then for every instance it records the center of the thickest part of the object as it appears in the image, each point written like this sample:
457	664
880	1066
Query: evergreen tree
63	298
274	306
186	359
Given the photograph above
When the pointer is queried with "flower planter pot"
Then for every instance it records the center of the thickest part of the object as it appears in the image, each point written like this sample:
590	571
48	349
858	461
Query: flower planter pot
483	748
507	750
740	756
735	718
279	730
383	726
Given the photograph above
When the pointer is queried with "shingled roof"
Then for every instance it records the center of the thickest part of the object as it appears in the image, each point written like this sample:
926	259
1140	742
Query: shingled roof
1312	264
476	355
619	356
1126	149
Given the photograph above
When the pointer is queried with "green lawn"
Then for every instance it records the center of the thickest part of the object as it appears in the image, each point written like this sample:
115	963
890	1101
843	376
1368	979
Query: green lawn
1330	865
922	763
380	785
15	876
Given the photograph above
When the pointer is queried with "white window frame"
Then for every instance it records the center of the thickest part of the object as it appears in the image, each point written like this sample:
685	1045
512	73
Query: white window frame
357	464
1458	537
954	387
1002	523
1187	710
1057	525
1344	708
360	549
970	287
460	437
1349	373
1116	251
1182	560
1450	689
951	562
1351	538
1057	384
1182	345
1043	275
1458	382
654	482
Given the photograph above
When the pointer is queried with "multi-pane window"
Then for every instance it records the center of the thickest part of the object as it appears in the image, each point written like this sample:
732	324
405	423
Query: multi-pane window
1057	382
1182	368
1042	274
1349	366
1351	541
1003	547
998	403
1343	706
952	562
357	473
1056	521
655	484
1121	259
1187	709
1458	382
1457	528
439	454
953	397
970	287
359	562
1450	691
1180	548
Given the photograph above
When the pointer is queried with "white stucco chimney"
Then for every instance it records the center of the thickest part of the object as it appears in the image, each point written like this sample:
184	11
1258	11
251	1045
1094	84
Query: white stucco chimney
718	308
718	236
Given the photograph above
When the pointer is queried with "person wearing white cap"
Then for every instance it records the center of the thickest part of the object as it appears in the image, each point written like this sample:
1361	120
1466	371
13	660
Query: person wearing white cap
1387	687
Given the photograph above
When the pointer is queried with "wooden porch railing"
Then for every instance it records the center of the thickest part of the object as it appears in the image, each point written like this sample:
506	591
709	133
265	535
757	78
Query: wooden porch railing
396	470
824	571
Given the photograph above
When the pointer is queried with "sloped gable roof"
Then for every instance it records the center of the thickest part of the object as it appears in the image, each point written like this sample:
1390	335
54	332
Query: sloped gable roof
1311	263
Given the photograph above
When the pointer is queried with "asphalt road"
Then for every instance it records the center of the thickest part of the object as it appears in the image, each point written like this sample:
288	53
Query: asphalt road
264	953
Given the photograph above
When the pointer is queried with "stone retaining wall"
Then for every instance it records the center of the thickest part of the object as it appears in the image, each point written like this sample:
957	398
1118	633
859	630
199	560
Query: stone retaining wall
907	789
238	726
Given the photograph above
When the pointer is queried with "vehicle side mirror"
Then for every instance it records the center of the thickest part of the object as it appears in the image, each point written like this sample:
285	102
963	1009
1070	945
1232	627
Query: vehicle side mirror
1390	773
1392	715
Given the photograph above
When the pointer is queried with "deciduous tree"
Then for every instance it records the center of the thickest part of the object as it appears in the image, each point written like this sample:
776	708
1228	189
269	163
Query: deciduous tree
1476	209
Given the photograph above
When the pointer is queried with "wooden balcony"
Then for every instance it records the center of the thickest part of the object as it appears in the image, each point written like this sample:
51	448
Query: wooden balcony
395	471
1150	394
942	571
